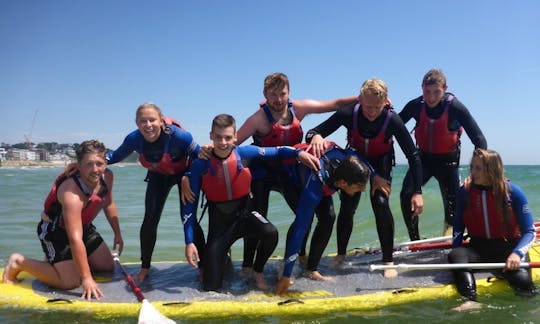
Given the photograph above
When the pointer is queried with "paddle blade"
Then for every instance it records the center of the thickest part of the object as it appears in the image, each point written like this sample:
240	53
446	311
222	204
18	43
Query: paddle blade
149	314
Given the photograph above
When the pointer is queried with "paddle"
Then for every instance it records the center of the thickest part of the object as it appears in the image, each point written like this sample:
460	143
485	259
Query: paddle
440	242
148	313
448	266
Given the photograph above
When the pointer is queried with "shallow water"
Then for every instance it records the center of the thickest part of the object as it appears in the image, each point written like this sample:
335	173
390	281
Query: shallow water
22	191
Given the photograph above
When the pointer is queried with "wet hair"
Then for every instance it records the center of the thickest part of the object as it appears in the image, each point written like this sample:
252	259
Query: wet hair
275	81
350	169
145	105
223	121
494	172
91	146
376	88
434	76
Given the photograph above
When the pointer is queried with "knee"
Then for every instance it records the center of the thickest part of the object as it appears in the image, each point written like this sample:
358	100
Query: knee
270	232
379	200
70	282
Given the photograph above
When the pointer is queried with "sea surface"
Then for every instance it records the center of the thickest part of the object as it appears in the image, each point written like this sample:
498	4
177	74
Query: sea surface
23	189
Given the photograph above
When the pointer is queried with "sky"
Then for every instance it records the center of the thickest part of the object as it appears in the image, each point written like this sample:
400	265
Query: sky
72	70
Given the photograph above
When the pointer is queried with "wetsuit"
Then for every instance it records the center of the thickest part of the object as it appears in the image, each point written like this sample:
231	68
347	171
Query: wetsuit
373	139
439	147
272	175
52	234
492	238
316	189
166	160
226	183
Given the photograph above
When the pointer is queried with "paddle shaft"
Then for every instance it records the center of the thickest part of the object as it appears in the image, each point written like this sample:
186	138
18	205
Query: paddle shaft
136	290
448	266
441	242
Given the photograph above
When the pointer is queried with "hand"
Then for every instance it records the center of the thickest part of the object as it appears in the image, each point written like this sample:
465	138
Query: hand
118	242
467	182
417	204
309	160
91	289
512	262
382	184
192	255
206	151
283	285
186	194
317	146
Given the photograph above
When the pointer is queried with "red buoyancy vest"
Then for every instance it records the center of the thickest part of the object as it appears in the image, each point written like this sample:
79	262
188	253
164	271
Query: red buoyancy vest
433	135
53	209
226	179
166	165
281	135
482	219
370	147
171	121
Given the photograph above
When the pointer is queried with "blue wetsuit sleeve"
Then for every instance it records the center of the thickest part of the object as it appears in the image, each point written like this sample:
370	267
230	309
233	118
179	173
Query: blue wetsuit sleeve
249	152
459	226
525	220
189	212
184	140
312	193
131	143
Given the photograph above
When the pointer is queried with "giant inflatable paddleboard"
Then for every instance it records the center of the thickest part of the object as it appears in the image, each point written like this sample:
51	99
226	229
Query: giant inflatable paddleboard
174	289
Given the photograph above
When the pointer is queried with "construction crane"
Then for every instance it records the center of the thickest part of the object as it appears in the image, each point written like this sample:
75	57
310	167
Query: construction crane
28	138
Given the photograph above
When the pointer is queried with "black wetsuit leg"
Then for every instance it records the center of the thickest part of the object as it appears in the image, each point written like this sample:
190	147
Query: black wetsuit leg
157	190
266	232
463	278
224	224
261	193
321	235
279	182
407	191
498	251
345	220
227	223
448	177
445	168
489	250
384	219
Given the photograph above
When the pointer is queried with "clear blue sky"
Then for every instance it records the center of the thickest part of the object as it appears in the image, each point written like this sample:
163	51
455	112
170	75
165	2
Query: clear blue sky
85	66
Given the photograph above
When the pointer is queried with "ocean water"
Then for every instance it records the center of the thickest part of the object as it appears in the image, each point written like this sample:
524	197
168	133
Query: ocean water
23	189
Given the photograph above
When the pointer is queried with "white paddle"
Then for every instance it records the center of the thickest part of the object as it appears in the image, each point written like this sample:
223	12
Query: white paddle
148	313
448	266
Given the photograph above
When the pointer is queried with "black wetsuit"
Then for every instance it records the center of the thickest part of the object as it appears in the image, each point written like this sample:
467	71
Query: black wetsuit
444	167
382	165
178	145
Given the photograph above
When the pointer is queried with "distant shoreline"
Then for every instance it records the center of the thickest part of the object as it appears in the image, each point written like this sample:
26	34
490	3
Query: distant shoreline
15	164
32	163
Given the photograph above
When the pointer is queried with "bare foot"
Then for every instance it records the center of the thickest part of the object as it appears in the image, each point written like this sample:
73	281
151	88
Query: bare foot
246	272
390	273
259	281
316	275
12	268
466	306
447	230
142	275
337	261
